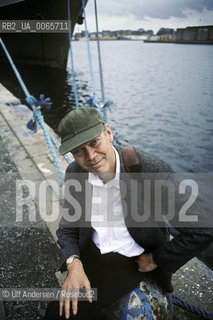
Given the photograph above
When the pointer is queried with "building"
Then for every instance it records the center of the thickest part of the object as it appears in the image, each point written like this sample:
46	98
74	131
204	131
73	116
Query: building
200	35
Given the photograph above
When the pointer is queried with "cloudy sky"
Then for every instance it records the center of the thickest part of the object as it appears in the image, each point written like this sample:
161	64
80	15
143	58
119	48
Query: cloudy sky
149	14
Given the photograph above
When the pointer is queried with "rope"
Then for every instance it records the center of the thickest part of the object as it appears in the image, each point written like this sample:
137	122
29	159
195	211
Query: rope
89	57
93	101
100	61
71	57
56	144
41	122
36	113
190	307
169	298
32	124
14	68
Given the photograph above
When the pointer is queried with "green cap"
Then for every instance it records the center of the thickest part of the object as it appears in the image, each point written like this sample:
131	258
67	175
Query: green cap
78	127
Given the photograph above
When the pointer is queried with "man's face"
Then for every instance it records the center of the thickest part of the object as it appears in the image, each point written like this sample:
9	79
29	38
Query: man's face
97	156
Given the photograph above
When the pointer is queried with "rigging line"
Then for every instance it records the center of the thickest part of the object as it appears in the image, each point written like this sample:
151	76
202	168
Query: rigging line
15	69
36	112
99	54
100	62
71	57
89	53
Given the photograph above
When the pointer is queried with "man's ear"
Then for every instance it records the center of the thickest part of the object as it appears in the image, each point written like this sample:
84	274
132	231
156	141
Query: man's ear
109	132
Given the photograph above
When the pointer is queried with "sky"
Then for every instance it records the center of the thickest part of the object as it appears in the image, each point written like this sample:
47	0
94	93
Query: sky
148	14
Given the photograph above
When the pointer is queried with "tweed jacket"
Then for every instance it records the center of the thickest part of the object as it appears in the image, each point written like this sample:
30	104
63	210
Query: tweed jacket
168	254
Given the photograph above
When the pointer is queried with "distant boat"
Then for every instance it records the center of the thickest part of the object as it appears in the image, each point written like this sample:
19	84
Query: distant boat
46	49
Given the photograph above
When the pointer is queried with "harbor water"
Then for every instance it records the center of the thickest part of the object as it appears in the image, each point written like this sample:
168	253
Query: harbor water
162	93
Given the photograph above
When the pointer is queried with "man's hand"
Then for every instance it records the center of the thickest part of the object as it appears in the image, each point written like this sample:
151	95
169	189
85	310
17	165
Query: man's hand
145	262
76	279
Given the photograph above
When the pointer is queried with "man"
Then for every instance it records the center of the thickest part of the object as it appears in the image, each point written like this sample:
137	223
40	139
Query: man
115	259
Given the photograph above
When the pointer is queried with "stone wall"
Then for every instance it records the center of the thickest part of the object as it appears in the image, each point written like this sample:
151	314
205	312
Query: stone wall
194	34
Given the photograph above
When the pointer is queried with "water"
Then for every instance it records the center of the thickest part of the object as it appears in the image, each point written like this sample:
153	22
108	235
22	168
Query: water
162	96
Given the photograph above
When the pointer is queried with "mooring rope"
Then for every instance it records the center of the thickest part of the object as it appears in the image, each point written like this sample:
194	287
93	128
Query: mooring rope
57	145
71	57
94	101
14	69
191	307
37	116
90	57
99	59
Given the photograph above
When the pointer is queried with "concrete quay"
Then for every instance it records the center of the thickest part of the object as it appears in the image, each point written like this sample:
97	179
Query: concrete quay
29	253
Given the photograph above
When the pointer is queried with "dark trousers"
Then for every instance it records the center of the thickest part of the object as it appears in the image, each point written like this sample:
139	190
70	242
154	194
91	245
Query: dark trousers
86	311
112	274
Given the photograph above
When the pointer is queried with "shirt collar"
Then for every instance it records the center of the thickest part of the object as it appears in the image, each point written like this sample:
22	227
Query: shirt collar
96	181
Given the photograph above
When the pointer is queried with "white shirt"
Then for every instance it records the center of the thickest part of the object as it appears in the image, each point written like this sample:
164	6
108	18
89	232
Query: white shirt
111	233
